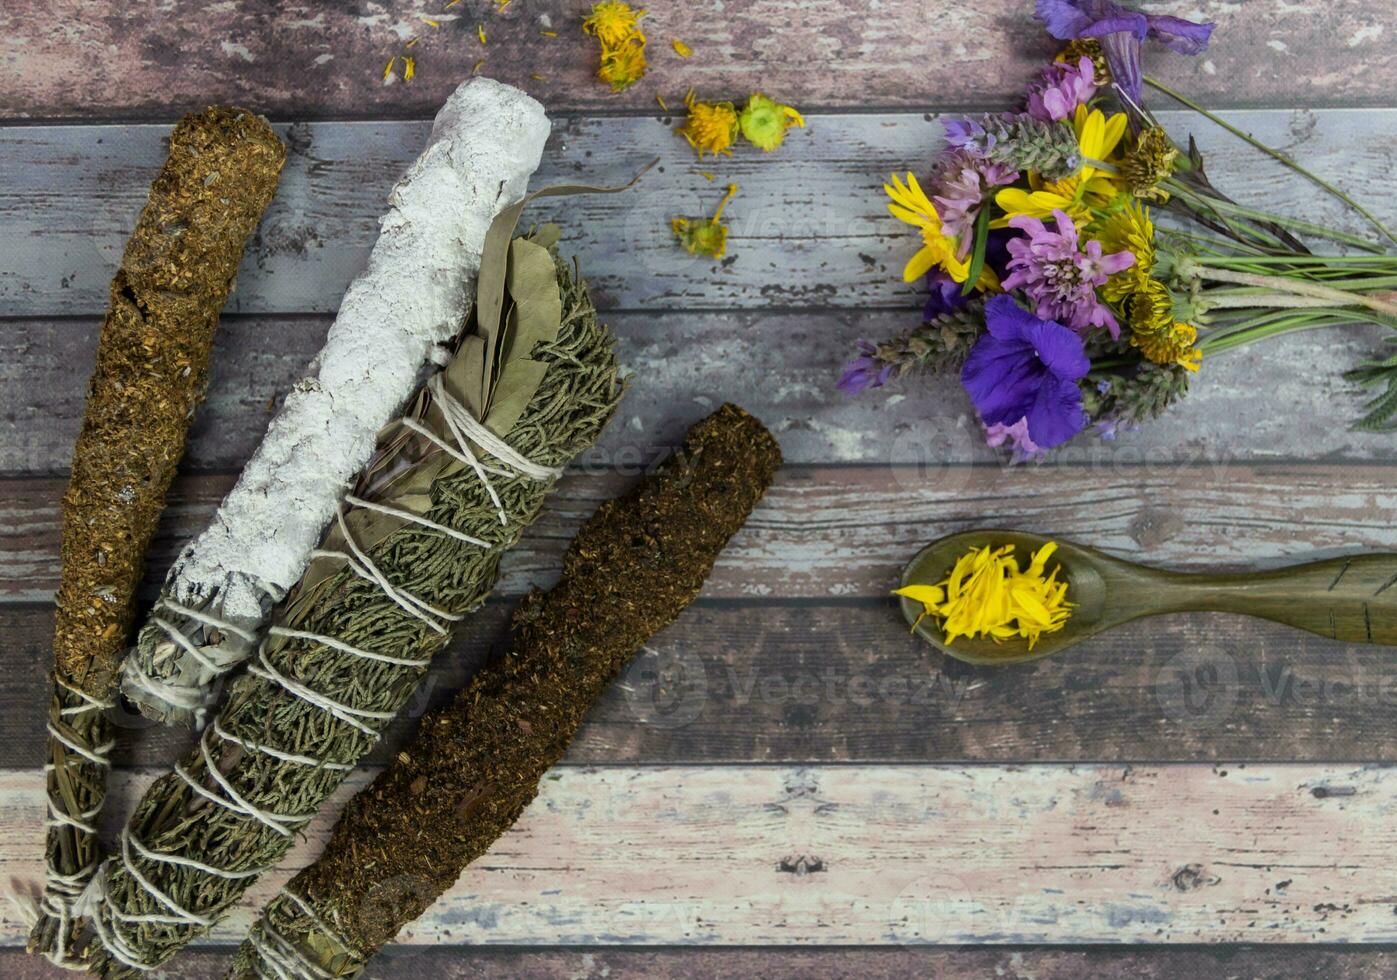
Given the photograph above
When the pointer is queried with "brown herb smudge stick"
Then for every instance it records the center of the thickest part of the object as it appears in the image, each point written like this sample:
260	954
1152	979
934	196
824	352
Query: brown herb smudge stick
475	765
152	368
151	371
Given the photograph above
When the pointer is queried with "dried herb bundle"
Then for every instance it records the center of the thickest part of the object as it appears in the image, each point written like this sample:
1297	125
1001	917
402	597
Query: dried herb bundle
419	548
410	298
152	367
476	765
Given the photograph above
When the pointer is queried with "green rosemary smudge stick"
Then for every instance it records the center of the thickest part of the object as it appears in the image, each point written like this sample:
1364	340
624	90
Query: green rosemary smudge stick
475	765
151	371
353	639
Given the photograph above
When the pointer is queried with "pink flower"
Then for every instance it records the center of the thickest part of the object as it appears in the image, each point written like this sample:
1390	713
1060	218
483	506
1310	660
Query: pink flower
1059	277
960	187
1017	437
1062	87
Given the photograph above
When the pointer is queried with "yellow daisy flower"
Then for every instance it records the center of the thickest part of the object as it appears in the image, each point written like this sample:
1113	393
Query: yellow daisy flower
1090	186
1127	230
1155	332
910	204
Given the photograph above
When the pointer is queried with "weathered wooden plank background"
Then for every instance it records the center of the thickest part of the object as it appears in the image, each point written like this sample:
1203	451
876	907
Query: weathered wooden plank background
785	767
74	59
899	855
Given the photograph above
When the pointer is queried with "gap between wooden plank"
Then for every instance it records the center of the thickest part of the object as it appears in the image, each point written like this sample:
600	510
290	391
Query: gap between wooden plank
1331	961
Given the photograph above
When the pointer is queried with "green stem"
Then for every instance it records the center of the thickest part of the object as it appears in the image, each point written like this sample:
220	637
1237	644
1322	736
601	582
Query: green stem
1273	154
1299	287
1229	300
1222	207
1246	232
1213	346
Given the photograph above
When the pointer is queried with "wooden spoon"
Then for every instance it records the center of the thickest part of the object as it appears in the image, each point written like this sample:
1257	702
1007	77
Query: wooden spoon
1351	599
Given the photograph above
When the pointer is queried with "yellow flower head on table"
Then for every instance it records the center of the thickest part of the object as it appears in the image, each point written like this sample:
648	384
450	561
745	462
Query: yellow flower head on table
764	121
711	127
617	26
705	236
623	66
987	595
613	23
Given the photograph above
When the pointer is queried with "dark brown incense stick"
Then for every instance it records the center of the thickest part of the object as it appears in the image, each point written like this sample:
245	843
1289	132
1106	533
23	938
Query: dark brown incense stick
476	765
152	366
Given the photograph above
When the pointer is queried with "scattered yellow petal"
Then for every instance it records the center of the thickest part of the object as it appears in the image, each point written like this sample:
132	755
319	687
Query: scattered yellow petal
428	21
450	4
538	78
480	31
681	49
549	33
475	68
411	43
388	68
409	68
501	4
661	101
708	175
986	594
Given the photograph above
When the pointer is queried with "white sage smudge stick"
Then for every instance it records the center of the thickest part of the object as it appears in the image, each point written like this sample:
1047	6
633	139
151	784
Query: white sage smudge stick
419	284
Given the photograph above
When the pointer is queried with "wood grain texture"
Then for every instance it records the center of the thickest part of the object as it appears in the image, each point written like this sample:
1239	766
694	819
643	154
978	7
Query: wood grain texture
887	855
809	229
866	963
845	532
686	364
65	58
795	683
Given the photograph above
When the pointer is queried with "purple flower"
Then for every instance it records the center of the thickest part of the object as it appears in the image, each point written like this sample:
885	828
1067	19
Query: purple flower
1026	369
961	184
1056	95
1059	277
864	371
968	134
947	294
1121	33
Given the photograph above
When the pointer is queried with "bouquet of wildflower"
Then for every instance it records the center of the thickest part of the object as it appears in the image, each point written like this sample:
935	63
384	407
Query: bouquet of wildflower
1053	291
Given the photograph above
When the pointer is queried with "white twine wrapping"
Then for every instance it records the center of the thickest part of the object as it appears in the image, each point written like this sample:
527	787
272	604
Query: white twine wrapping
280	954
62	893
